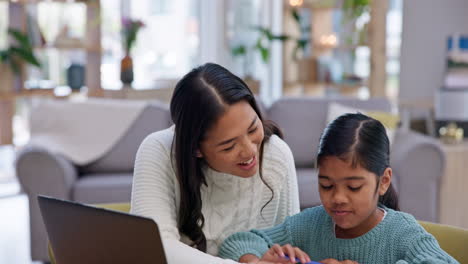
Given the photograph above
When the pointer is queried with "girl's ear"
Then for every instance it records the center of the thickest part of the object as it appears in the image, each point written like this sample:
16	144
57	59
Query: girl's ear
385	181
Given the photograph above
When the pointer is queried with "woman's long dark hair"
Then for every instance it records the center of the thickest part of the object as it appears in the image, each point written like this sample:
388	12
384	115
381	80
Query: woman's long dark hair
363	141
199	100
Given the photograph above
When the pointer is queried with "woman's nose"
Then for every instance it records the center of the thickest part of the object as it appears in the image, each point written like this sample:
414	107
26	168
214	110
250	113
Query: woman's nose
249	148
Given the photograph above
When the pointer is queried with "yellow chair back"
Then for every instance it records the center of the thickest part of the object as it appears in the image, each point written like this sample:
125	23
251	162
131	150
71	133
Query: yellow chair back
452	239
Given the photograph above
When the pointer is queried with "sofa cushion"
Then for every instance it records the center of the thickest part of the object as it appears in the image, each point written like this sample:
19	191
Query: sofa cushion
303	120
308	187
103	188
389	120
121	157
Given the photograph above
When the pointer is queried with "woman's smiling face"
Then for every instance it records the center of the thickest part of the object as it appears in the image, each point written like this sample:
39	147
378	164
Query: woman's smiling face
232	145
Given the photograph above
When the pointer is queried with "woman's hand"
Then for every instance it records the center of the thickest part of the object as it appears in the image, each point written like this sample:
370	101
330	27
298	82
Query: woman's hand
334	261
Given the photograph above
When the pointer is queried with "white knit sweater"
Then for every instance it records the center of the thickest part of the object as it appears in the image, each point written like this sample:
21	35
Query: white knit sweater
229	203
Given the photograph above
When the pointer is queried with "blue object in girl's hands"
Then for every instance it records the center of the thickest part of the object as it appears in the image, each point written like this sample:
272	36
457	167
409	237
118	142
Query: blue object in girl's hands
299	261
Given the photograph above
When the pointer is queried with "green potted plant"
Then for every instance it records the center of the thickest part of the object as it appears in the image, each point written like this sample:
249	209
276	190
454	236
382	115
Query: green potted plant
352	10
20	51
11	58
303	40
262	46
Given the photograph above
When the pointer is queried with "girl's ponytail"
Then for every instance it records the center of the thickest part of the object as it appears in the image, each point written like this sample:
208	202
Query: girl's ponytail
390	198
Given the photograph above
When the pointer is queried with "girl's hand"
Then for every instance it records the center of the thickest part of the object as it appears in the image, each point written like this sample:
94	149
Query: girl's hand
334	261
277	254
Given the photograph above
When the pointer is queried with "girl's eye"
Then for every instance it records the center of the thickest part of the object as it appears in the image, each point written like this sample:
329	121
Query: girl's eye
326	187
228	149
253	130
354	189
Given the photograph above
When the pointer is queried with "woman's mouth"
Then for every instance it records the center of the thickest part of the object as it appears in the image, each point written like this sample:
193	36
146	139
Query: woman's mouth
248	164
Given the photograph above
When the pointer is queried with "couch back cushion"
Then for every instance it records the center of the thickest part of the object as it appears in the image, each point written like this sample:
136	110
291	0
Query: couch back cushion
121	157
303	120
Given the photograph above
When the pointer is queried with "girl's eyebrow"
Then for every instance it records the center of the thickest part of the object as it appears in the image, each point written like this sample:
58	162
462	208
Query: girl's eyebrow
355	178
346	178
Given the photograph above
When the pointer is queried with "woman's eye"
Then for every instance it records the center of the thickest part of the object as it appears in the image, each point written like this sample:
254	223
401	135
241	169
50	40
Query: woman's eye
326	187
354	189
228	149
253	130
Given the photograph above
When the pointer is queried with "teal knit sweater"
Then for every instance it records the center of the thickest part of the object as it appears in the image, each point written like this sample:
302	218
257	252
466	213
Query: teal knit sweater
398	238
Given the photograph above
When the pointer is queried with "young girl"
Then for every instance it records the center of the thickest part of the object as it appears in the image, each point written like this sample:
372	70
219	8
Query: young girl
358	221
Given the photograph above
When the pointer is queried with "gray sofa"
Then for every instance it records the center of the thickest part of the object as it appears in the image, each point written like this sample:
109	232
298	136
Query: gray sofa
417	162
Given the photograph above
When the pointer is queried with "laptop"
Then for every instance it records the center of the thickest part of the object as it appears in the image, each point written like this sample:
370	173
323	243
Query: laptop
85	234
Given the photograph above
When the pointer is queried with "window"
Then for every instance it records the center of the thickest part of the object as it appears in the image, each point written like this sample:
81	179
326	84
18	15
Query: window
394	28
242	16
361	54
3	24
166	48
53	28
111	44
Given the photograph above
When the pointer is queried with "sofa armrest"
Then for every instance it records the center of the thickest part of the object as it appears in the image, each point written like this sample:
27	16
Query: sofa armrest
418	163
42	172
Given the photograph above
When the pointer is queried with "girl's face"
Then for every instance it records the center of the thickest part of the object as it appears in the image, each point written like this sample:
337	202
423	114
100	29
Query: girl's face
350	196
232	145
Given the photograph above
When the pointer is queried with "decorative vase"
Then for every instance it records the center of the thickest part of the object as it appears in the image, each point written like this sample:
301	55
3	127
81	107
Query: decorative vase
75	76
126	70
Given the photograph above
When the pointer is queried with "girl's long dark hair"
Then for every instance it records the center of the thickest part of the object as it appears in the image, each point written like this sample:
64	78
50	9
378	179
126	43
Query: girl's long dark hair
363	141
199	100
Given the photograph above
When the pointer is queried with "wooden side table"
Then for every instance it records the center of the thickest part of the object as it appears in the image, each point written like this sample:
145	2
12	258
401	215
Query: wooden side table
453	199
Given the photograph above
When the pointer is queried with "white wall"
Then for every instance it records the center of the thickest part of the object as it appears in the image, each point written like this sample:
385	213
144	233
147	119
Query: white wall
426	25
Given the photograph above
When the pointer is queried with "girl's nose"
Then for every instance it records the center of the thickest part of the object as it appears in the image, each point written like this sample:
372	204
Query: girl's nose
339	197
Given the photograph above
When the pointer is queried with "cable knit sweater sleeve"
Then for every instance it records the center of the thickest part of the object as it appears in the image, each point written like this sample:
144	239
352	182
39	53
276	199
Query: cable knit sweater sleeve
255	242
154	195
419	246
280	160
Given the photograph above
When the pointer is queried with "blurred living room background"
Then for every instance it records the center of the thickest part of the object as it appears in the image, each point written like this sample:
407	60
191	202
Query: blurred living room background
81	75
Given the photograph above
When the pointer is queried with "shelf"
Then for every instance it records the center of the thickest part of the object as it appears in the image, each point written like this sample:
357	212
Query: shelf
25	2
36	92
27	92
323	89
6	96
83	47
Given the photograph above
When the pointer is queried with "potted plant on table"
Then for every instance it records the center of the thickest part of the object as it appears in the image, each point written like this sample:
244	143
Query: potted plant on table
262	44
20	51
130	28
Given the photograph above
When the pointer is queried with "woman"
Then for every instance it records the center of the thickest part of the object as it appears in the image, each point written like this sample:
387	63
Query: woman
221	169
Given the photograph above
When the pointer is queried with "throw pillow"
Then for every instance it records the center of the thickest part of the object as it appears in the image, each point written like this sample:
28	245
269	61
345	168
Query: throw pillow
389	120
